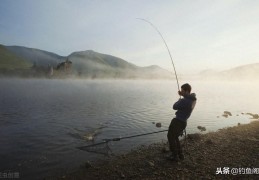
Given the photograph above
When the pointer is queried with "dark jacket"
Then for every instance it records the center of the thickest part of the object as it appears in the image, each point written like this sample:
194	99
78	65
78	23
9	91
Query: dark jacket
184	107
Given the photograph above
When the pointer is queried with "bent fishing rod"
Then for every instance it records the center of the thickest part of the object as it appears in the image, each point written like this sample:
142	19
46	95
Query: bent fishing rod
106	141
166	48
169	55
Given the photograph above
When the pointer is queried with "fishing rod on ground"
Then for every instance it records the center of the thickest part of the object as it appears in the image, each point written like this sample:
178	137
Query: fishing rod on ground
105	147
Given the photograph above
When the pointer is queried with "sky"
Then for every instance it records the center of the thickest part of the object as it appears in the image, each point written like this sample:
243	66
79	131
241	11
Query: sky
200	34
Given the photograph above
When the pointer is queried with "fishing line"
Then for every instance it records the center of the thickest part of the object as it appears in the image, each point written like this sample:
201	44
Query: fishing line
106	141
171	61
166	48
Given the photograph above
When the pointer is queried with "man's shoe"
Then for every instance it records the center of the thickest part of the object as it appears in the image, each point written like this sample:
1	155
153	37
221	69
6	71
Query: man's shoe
181	156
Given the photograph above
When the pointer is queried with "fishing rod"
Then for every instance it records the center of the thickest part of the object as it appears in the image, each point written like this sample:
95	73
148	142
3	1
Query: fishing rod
166	48
105	141
127	137
170	58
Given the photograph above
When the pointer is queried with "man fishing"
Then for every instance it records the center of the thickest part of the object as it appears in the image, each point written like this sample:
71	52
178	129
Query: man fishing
184	107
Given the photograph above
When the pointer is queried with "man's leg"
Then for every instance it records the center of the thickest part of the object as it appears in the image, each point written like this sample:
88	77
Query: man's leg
170	136
173	138
182	126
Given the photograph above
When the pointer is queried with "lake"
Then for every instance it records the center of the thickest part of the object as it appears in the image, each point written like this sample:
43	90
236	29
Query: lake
43	121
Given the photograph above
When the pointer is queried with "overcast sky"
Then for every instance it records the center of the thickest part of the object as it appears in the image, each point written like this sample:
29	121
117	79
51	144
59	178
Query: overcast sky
201	34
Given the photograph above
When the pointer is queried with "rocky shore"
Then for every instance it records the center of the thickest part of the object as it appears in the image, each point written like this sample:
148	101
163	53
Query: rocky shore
229	153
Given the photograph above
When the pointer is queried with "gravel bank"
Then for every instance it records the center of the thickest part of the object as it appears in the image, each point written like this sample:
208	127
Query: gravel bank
234	148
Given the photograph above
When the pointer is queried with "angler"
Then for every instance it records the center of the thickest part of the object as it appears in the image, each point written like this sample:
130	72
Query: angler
184	109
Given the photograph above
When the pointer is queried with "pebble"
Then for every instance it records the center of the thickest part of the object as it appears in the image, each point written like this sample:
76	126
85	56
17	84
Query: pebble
254	116
150	163
227	113
158	125
201	128
122	175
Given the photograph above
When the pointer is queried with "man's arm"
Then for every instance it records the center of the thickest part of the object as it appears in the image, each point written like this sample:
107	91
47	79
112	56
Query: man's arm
179	104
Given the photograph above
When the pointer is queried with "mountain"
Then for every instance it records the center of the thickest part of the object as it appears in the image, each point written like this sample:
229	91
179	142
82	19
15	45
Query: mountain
10	61
36	56
107	60
244	72
84	64
18	60
247	72
96	65
156	71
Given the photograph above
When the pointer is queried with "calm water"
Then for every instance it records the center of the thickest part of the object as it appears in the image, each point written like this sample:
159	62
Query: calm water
42	121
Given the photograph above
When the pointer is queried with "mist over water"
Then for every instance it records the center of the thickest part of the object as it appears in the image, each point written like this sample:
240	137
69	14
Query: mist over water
42	121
